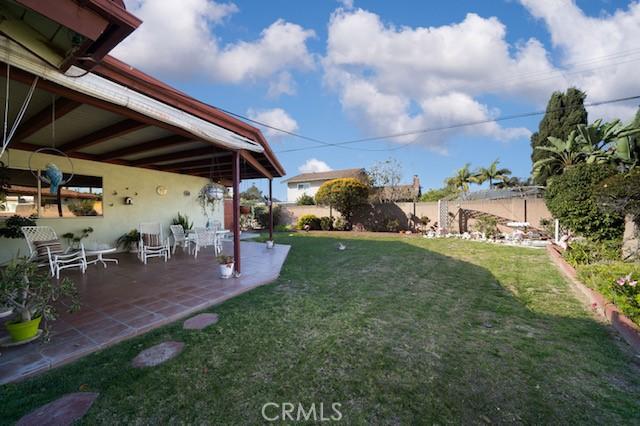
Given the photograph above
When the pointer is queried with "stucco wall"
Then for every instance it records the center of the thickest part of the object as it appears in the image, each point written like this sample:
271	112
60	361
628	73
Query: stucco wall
512	209
293	193
118	218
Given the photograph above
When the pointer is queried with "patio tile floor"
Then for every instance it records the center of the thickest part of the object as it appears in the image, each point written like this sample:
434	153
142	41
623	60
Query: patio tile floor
125	300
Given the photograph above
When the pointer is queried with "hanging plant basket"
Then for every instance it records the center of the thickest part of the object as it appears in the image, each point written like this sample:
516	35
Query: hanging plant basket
209	195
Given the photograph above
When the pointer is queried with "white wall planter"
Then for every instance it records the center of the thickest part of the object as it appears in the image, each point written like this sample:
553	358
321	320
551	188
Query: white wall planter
226	271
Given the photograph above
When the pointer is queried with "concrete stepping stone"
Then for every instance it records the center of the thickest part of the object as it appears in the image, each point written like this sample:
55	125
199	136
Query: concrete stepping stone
63	411
157	354
200	321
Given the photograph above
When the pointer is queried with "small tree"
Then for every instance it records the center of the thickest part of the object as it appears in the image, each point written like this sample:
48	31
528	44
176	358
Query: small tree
305	200
252	193
384	177
344	195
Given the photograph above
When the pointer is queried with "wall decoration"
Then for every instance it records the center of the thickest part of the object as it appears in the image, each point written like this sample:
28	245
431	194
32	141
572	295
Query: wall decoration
186	193
161	190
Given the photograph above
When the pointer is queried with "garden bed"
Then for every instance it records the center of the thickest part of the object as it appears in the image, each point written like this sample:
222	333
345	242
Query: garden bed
595	276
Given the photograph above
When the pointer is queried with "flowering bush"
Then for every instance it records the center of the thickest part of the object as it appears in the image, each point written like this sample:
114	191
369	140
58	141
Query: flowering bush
618	282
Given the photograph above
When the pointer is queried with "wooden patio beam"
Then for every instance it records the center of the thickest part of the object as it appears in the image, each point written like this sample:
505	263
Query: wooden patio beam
255	163
205	162
121	128
174	156
42	118
144	147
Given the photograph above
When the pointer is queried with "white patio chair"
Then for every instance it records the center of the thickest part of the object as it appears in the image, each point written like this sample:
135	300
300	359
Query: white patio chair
46	250
202	238
151	242
180	238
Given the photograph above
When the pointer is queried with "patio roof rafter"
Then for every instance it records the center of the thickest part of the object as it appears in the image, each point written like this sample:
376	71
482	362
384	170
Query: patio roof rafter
174	156
165	142
118	129
195	164
43	118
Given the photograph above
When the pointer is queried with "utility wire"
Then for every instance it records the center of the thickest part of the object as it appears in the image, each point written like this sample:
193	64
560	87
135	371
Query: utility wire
459	125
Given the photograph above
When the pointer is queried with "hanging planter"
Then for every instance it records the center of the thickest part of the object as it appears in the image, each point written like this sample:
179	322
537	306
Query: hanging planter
208	196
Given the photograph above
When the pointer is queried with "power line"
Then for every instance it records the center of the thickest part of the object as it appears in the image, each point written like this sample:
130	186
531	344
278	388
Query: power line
453	126
343	144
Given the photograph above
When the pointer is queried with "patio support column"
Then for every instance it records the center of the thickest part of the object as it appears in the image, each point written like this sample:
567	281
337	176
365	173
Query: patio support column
236	211
270	210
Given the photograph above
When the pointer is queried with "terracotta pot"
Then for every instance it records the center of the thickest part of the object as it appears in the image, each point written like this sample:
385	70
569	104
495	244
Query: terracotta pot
245	210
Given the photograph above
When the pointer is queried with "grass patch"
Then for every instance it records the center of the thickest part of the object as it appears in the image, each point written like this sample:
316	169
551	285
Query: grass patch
397	330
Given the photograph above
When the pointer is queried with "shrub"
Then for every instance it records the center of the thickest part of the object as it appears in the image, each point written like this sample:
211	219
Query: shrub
488	225
391	225
282	228
605	278
339	224
344	195
261	215
326	223
588	252
620	194
13	224
305	200
308	219
570	198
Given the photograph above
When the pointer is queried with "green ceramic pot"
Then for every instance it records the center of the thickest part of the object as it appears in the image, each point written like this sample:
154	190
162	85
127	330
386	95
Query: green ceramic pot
20	331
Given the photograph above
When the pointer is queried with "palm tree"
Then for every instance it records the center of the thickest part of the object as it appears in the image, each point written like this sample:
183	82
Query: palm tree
461	179
491	173
564	154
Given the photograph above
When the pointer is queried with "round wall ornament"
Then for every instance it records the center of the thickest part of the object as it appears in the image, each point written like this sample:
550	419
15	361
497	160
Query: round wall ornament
161	190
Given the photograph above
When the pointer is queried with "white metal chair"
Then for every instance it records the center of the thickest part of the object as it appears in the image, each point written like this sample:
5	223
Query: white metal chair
45	249
151	243
202	238
180	238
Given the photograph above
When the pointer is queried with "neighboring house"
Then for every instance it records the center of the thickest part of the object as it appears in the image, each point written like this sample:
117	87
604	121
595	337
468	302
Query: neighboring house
308	183
398	193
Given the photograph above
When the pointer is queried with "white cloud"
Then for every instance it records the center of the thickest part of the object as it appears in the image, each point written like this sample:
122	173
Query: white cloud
283	84
276	117
177	39
393	80
347	4
313	165
599	54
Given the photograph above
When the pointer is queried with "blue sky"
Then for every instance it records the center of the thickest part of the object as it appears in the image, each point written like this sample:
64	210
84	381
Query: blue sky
344	70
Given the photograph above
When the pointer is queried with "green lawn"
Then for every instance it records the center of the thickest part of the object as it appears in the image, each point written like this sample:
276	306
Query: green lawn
397	330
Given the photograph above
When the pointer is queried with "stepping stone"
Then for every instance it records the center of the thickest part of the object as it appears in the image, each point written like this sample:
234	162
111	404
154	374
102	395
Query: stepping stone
200	321
63	411
157	354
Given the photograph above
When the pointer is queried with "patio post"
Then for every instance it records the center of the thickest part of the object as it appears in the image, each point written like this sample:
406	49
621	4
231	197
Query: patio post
236	211
270	210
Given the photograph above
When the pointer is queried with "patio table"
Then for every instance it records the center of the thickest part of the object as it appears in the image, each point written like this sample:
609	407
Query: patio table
99	253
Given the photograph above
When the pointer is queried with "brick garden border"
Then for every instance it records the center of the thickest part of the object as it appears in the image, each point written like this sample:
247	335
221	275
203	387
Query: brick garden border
623	325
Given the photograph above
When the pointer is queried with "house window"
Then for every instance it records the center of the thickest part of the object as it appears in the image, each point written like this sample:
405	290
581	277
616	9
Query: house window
21	195
303	186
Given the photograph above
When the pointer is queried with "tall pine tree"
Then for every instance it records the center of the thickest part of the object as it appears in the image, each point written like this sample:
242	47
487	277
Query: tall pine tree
564	112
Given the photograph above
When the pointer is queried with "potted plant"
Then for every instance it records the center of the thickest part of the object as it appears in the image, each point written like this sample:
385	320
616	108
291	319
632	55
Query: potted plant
182	220
13	224
74	240
129	241
33	296
226	266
